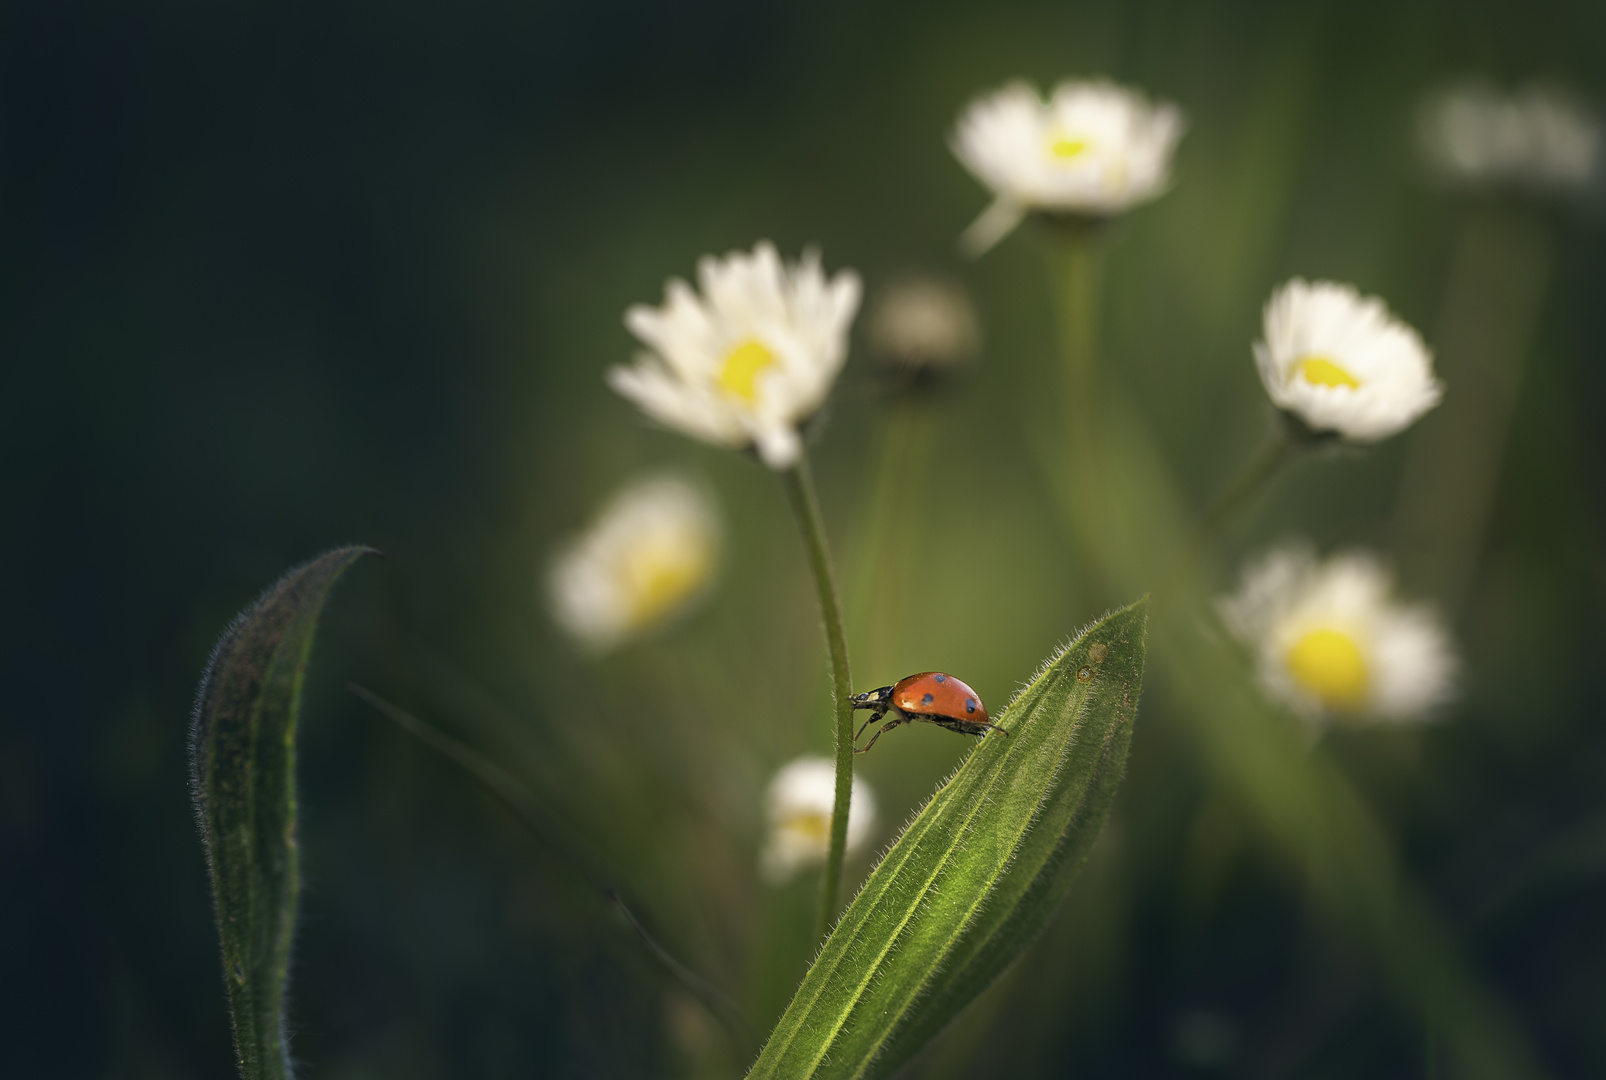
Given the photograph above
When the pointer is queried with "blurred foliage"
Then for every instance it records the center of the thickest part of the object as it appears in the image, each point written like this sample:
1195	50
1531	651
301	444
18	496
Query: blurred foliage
282	276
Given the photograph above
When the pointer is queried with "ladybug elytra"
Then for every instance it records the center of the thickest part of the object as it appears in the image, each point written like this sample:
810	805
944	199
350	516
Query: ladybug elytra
932	696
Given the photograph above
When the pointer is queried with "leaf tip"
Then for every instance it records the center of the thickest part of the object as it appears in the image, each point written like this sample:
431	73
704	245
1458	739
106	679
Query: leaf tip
328	566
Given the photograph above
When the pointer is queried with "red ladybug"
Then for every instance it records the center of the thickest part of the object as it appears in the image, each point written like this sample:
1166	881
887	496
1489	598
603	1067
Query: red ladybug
930	696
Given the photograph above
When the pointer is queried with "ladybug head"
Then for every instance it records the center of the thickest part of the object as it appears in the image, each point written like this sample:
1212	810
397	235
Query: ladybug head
872	698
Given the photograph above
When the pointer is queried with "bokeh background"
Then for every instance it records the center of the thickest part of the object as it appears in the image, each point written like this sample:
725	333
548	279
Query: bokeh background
279	276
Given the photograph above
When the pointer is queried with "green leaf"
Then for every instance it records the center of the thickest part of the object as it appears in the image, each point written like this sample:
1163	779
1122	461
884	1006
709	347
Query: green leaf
977	874
243	756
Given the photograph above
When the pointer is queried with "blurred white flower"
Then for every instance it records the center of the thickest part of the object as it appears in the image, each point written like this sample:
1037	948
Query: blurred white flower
651	553
798	807
923	322
1535	138
1093	149
1330	641
747	359
1341	363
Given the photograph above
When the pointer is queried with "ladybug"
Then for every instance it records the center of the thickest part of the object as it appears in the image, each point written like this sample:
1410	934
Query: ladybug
931	696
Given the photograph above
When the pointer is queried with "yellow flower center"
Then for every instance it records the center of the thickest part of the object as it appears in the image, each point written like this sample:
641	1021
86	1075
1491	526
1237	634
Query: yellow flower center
1320	371
661	572
1329	664
739	375
814	827
1065	147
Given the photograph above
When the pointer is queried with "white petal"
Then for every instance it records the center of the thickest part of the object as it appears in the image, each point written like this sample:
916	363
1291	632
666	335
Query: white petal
677	405
1385	356
1535	138
1410	664
798	315
778	446
805	789
1007	138
659	523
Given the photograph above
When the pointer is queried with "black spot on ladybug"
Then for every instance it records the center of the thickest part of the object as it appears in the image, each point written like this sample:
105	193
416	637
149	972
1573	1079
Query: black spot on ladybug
942	678
970	704
926	700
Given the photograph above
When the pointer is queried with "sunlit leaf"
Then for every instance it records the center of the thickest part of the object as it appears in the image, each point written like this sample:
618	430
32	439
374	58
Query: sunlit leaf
977	874
243	747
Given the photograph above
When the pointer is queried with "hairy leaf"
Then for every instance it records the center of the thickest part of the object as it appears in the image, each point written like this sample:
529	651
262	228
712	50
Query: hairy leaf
243	756
977	874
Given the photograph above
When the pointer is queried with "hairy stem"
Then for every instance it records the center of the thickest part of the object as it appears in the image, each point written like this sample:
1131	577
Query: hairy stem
799	484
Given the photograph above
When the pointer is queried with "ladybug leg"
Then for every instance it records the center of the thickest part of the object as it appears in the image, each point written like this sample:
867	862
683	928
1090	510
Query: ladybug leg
977	728
890	724
874	716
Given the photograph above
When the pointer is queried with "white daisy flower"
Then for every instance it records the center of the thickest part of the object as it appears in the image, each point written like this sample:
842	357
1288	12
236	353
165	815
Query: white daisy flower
1330	641
648	556
798	807
1093	149
1535	138
923	322
1341	363
750	357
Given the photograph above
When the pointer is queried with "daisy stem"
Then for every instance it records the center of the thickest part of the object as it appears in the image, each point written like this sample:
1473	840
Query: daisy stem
1077	264
799	484
876	582
1277	451
1490	310
1286	440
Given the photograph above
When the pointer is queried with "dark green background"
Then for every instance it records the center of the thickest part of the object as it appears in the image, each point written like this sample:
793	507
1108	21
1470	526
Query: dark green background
275	277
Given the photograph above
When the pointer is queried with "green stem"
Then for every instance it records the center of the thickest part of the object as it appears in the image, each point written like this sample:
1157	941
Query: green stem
1075	263
799	484
1491	308
1278	450
1280	447
876	582
1076	256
